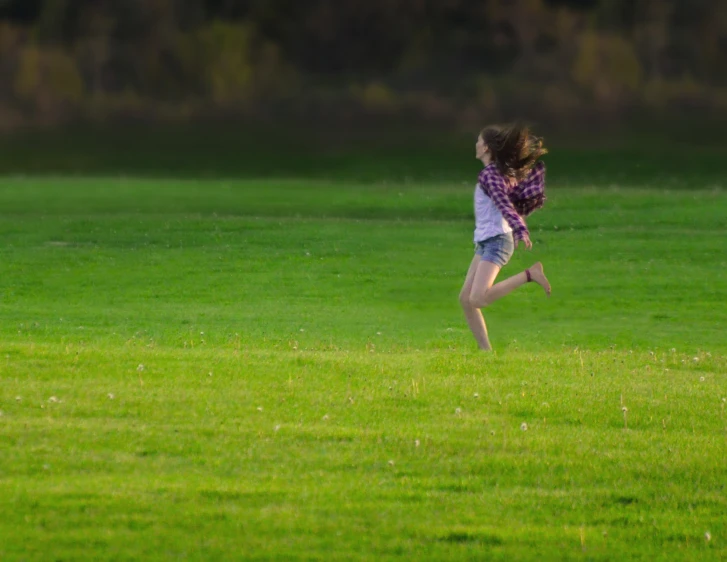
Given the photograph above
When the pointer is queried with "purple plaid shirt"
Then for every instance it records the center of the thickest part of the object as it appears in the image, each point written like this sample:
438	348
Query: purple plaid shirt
514	200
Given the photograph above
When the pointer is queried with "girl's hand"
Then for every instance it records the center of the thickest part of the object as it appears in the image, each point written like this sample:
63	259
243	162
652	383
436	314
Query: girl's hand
528	243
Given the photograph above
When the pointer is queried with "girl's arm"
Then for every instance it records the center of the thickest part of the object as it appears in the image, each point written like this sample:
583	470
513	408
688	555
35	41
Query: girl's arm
496	188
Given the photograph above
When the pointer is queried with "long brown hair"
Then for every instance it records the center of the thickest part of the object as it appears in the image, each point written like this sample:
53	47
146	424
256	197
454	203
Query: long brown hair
515	150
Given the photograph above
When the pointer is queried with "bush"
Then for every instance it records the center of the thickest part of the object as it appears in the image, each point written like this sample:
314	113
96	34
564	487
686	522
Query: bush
607	68
48	82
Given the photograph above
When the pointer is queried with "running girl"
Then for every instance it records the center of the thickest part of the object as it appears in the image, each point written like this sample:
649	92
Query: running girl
509	188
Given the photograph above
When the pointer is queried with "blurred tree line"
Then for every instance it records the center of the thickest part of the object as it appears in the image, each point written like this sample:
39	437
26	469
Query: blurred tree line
554	60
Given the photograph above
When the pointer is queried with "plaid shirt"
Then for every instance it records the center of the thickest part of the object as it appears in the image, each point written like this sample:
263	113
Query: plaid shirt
514	200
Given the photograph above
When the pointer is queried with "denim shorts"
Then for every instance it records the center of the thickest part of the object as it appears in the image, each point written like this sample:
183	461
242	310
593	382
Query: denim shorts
498	249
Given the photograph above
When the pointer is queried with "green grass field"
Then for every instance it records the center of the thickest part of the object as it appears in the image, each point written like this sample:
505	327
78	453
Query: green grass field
278	369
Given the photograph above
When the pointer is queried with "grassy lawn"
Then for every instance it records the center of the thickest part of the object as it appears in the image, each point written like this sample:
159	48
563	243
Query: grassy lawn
226	369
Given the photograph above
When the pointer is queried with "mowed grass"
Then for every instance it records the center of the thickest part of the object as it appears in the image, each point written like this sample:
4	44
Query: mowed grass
266	370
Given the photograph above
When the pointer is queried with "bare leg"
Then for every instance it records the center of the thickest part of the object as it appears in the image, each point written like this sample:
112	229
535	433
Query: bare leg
484	293
474	317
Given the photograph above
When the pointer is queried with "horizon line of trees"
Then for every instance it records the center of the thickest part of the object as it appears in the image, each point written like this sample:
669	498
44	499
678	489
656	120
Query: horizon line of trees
64	60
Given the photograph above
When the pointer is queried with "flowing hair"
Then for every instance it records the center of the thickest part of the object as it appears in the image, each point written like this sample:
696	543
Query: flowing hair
515	150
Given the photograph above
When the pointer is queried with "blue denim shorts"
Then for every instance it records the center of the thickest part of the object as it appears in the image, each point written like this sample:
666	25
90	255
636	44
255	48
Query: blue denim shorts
498	249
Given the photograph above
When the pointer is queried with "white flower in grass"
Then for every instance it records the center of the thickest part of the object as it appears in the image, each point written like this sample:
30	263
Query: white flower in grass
18	398
140	367
416	443
624	409
391	463
259	408
325	417
707	536
701	379
277	428
477	395
673	350
458	411
111	396
524	426
53	400
695	359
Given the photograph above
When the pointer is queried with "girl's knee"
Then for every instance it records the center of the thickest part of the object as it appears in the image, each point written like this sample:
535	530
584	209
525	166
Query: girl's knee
479	300
464	299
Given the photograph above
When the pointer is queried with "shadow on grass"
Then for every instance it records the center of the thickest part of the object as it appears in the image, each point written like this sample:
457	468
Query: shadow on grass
401	154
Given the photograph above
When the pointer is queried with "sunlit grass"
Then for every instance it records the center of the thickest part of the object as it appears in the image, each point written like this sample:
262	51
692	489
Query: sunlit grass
280	370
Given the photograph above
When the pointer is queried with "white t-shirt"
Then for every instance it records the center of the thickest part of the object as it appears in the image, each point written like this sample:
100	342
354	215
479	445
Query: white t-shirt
489	221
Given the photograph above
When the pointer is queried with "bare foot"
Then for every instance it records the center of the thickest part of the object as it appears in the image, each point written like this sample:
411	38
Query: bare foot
537	275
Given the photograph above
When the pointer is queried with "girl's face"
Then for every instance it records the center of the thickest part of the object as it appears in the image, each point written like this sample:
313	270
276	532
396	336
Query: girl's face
481	148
